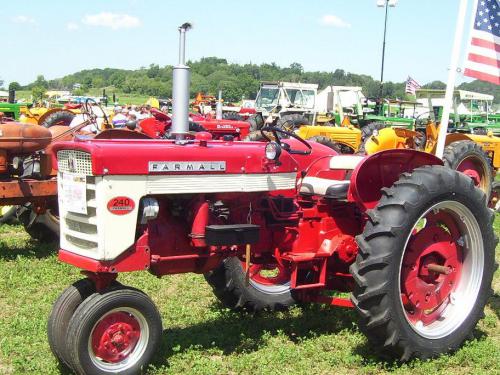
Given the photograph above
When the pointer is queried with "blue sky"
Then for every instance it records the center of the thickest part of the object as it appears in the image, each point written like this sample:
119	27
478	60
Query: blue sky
55	38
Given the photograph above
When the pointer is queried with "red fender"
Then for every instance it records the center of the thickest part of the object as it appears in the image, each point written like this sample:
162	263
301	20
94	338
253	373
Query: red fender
383	169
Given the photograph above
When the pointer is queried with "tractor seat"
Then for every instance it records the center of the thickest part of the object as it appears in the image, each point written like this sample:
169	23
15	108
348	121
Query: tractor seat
332	189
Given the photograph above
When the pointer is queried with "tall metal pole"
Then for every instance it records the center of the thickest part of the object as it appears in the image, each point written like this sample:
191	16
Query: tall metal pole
383	51
452	73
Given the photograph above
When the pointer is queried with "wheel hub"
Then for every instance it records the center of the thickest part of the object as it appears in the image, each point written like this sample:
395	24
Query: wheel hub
430	270
471	169
115	337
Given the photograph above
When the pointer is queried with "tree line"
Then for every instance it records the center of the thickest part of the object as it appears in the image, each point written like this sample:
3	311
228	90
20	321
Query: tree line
237	81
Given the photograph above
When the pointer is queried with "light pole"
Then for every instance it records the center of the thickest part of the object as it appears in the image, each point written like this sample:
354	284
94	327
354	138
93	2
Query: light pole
385	4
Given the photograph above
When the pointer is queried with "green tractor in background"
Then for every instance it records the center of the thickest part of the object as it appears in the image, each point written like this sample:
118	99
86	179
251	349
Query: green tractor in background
471	112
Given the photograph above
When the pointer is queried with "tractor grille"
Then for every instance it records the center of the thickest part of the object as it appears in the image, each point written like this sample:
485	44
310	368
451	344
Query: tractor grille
74	161
80	230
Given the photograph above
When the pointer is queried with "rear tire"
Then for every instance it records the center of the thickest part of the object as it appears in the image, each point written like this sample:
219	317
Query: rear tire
7	214
115	331
256	122
391	274
469	158
234	116
58	118
291	122
325	141
228	282
367	131
42	227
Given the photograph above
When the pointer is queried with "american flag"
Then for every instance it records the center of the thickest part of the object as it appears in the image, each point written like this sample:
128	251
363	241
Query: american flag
484	49
411	86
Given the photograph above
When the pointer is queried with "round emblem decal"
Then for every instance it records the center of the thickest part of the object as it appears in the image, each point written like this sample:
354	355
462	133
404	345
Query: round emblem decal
121	205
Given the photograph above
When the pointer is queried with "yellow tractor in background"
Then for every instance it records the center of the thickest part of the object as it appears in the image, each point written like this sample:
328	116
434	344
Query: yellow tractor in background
478	156
47	117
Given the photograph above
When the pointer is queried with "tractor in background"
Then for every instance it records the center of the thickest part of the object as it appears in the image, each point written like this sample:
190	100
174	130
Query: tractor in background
478	156
471	111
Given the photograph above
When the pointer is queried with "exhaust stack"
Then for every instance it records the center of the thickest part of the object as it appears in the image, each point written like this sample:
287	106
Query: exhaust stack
180	90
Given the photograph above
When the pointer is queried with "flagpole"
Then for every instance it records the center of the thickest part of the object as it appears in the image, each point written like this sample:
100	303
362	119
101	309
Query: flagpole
452	74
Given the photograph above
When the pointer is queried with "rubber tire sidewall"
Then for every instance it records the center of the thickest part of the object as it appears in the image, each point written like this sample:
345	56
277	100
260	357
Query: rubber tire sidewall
61	313
93	309
456	152
60	116
325	141
9	216
228	282
391	248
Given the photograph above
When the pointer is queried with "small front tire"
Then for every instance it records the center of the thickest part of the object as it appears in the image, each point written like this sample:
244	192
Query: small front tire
62	311
114	331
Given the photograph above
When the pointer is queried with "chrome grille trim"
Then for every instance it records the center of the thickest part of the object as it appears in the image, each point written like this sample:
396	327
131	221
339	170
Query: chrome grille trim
74	161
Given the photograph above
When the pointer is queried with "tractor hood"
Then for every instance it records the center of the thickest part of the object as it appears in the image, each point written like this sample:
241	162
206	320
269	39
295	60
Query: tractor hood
164	157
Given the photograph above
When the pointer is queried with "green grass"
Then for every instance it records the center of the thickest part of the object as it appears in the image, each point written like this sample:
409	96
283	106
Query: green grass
201	337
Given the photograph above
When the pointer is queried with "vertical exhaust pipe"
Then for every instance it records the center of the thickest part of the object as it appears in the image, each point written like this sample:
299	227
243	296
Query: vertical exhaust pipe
180	90
218	107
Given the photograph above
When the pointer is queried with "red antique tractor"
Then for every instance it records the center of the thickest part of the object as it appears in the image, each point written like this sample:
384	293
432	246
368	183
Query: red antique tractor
269	224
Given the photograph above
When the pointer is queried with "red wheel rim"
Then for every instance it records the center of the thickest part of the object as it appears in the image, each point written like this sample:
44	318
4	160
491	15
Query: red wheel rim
269	278
115	336
441	269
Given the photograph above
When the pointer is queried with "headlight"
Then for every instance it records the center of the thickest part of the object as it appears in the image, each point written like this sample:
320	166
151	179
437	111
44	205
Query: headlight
273	151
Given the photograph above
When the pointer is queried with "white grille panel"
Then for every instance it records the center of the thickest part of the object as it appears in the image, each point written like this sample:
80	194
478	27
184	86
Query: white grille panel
74	161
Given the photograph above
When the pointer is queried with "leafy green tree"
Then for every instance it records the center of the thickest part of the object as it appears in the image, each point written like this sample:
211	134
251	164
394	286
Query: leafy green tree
153	71
14	86
41	82
38	93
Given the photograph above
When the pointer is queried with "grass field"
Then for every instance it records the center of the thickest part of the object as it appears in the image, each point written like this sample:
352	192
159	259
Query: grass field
200	337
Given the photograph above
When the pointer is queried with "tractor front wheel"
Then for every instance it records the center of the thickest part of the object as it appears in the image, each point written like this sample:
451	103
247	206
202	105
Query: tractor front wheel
61	313
469	158
425	264
115	331
267	286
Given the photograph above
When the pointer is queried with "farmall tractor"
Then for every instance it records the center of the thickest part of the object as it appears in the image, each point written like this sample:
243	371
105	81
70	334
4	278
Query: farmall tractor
269	225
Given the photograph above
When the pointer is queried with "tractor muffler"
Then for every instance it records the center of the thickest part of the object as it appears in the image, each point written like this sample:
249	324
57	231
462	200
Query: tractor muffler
180	90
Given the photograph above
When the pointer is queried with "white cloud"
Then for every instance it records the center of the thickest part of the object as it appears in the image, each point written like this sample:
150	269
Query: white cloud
72	26
23	19
114	21
334	21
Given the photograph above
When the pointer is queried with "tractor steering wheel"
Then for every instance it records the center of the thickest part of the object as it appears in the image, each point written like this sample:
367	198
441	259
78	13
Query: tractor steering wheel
87	108
275	130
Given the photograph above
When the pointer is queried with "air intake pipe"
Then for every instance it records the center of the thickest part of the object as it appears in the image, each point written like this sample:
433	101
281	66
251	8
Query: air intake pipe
180	90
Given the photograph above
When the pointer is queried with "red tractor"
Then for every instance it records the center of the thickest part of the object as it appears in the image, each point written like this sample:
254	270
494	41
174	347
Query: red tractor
160	124
269	224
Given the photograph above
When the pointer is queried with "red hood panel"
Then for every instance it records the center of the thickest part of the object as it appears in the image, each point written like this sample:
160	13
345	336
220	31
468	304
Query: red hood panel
132	157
